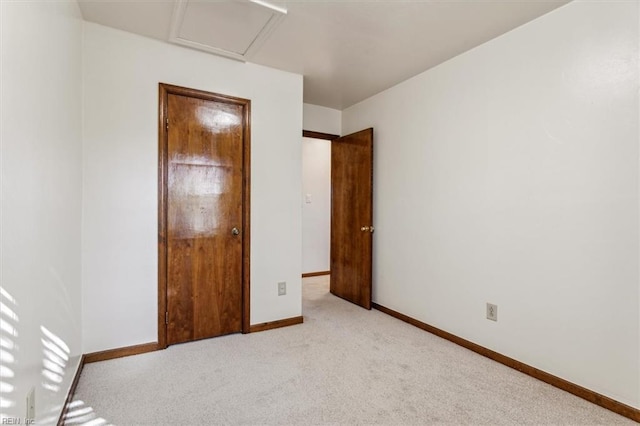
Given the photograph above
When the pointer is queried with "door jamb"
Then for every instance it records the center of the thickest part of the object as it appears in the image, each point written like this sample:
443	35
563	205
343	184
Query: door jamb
164	91
319	135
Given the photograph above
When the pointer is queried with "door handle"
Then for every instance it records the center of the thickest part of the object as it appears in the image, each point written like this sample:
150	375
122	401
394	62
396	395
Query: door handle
235	231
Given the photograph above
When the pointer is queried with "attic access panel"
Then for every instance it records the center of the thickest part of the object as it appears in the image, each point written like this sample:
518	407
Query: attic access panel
235	29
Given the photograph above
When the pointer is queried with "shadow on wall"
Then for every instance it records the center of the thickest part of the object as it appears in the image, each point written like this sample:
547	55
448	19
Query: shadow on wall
8	348
54	360
55	357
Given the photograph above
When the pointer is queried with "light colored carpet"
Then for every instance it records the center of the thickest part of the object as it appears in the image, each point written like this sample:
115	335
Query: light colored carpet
343	366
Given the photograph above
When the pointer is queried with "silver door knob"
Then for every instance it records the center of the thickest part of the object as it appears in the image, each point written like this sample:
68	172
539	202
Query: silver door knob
235	231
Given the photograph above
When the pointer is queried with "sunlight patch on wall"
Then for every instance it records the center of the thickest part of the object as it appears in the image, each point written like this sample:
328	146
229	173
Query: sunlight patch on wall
8	348
56	355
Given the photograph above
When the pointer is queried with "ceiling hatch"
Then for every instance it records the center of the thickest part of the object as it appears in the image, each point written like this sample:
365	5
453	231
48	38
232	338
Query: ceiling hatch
235	29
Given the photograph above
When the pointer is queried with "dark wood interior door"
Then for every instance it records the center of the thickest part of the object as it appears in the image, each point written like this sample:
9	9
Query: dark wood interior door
205	140
352	217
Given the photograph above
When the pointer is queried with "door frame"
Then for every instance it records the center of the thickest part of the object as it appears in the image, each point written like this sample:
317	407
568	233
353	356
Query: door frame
319	135
164	91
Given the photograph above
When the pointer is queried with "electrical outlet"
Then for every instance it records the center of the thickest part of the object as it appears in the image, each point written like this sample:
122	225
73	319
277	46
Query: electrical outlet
492	312
282	288
31	404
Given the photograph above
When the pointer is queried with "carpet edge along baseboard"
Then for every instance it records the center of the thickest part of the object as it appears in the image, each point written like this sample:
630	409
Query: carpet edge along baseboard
577	390
72	392
276	324
120	352
153	346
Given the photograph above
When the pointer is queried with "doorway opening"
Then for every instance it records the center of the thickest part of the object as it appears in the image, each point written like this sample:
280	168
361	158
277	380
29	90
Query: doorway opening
316	203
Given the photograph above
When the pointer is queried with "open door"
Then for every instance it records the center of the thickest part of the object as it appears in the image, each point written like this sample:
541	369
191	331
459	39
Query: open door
352	217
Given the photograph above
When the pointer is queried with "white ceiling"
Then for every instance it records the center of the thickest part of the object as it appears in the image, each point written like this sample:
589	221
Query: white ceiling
347	50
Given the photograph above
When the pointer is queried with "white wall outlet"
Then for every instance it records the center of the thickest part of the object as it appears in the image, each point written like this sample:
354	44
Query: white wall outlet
492	312
282	288
31	404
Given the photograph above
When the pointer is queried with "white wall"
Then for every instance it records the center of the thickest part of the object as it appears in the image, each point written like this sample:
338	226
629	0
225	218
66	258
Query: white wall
509	174
121	76
316	204
321	119
41	136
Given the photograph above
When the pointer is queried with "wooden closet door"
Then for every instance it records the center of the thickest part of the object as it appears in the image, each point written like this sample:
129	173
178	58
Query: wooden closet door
204	217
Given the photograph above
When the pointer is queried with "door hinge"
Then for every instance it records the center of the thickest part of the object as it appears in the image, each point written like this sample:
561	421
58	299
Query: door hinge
166	317
167	123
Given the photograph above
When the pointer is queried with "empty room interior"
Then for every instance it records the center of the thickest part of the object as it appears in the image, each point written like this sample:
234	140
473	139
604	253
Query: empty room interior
320	212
